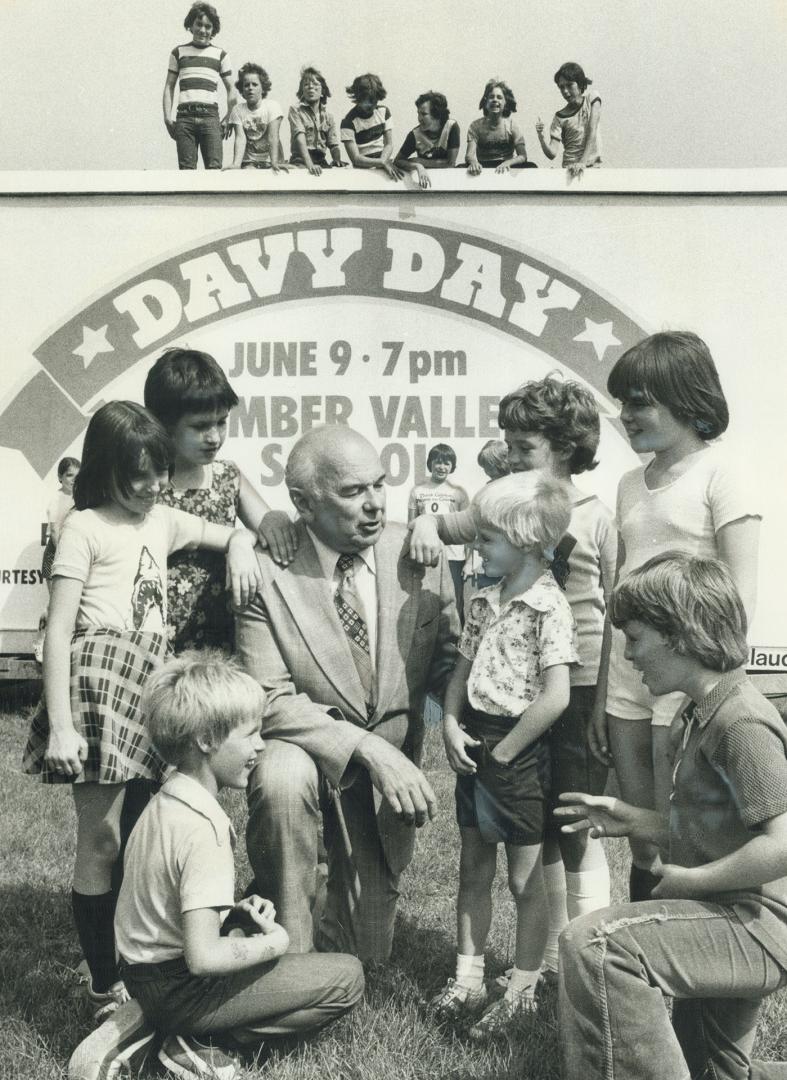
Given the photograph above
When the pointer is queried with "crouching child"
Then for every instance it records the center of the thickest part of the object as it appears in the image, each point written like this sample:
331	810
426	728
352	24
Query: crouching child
211	977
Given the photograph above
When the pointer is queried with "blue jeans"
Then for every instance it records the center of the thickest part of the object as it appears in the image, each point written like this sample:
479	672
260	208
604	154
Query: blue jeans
286	997
198	129
615	967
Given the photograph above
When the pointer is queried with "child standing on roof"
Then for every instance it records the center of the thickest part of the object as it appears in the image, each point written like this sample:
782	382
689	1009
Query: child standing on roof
196	68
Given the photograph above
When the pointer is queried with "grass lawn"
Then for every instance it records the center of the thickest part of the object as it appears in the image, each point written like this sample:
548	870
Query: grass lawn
43	1013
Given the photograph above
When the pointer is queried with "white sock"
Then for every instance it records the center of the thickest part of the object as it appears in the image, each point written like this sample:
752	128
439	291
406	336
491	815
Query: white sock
587	891
555	887
522	982
470	971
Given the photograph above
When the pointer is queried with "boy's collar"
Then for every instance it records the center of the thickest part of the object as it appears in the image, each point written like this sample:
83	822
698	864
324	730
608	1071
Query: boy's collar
538	595
192	794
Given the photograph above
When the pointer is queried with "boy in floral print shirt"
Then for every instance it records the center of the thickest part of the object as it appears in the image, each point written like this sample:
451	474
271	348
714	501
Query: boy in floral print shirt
510	684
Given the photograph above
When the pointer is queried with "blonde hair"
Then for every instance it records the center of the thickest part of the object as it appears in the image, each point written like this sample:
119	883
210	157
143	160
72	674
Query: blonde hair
529	509
691	602
198	696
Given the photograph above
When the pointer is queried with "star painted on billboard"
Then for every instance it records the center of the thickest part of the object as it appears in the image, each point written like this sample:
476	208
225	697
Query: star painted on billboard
599	335
93	343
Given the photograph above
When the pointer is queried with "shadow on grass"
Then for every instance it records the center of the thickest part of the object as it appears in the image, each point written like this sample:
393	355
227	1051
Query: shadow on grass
39	953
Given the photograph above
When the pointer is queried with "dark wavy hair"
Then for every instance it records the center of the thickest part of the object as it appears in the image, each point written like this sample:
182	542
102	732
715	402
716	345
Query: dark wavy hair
508	94
313	73
367	84
691	602
674	369
209	11
121	438
186	381
248	69
564	412
438	105
572	72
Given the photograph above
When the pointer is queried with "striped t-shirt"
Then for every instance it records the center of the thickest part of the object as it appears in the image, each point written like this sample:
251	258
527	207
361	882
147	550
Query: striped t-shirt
367	131
199	68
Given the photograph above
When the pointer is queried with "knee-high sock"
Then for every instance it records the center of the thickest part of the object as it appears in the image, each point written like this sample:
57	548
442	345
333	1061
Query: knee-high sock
94	917
555	886
586	891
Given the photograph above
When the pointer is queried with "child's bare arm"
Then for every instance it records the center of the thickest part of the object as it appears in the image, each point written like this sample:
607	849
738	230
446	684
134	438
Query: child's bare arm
474	166
428	533
538	717
392	169
762	859
274	529
240	145
738	544
455	739
66	749
231	101
302	150
208	953
598	733
243	570
550	148
274	146
167	101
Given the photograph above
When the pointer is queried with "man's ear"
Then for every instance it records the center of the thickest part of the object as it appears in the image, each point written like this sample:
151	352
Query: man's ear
303	503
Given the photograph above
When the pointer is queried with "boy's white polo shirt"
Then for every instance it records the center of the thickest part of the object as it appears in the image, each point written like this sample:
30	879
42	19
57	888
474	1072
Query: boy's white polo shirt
179	858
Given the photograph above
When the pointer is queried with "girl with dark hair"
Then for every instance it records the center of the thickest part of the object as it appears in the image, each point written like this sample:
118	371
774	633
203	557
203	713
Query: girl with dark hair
688	496
106	633
190	395
438	495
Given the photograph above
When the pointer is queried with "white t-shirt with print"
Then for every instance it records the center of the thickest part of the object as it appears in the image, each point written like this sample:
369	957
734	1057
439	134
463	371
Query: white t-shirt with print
123	566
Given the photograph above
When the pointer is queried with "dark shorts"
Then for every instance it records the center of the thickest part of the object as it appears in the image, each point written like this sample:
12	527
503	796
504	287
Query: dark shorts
574	766
506	803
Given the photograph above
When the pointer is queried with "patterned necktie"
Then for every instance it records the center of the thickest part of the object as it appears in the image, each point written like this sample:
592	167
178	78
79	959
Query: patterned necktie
350	610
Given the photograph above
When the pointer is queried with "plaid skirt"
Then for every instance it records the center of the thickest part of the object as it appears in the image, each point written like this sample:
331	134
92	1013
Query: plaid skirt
108	672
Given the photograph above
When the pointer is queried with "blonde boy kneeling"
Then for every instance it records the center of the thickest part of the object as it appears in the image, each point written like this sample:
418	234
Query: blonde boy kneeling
194	978
510	684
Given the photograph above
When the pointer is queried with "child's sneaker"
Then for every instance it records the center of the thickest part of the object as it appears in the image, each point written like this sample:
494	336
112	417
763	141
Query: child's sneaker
106	1002
504	979
502	1014
456	1001
184	1056
124	1041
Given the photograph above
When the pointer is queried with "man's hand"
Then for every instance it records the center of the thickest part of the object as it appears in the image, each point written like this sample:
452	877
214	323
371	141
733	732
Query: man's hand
402	784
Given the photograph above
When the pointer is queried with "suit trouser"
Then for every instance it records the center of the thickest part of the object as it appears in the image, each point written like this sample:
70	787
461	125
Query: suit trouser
286	794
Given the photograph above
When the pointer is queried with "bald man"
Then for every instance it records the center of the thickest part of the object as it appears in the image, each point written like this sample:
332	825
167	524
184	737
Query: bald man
346	641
